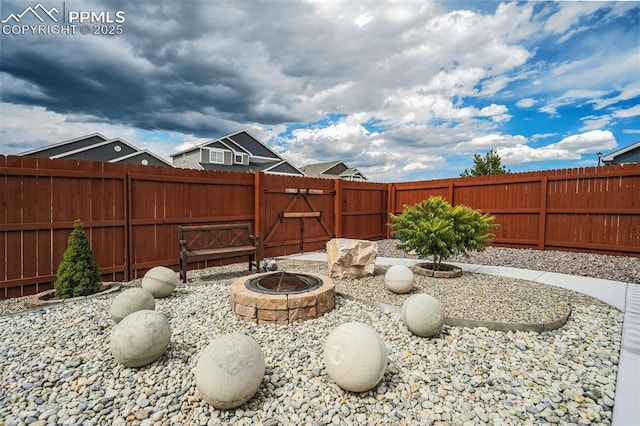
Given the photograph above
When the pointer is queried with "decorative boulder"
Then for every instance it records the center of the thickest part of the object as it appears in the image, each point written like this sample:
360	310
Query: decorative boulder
355	356
351	259
423	315
160	281
230	370
399	279
140	338
130	301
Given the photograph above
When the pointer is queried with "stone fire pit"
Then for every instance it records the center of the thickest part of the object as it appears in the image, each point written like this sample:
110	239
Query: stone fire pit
282	297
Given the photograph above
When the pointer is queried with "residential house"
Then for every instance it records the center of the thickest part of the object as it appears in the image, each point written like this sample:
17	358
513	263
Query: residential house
237	152
96	147
333	170
628	154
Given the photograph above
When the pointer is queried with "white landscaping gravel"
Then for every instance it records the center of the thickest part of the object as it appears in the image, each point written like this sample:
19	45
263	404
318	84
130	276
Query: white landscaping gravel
57	368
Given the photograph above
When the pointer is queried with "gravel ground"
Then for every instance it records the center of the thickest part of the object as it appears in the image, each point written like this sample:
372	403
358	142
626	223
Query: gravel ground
616	268
57	367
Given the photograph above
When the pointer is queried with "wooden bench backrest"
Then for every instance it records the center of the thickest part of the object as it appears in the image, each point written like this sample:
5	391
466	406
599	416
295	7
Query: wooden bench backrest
199	237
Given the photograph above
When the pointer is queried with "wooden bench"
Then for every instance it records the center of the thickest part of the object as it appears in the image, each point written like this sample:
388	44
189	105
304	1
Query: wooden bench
210	242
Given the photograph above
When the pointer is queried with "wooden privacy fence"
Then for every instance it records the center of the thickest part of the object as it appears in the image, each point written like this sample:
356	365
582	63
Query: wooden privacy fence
588	209
131	213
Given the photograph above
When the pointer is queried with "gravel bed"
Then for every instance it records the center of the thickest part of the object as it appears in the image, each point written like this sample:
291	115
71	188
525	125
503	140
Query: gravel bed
616	268
57	367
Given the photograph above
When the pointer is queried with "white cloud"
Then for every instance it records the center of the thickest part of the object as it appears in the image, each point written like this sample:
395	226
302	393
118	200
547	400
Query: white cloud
526	103
587	142
627	113
525	154
48	127
488	142
569	148
362	20
569	15
595	122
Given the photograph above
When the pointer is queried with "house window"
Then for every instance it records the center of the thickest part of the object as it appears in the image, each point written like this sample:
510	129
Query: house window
216	156
238	159
184	160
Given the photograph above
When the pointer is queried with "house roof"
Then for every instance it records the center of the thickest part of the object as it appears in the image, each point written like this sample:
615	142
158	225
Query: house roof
143	153
66	146
279	166
95	146
612	155
323	169
319	168
241	141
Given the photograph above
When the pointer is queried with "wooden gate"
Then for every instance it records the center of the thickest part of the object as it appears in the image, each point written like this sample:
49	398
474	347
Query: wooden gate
298	219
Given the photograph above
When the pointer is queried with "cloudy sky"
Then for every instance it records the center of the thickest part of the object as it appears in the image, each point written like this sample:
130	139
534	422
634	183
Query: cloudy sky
402	90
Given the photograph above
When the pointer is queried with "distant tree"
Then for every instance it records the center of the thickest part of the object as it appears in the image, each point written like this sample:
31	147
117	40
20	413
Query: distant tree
490	164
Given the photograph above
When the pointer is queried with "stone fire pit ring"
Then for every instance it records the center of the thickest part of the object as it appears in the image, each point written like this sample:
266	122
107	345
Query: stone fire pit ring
283	308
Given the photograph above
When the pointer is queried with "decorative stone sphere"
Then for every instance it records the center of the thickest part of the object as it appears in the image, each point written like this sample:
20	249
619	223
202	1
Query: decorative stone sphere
355	356
423	315
140	338
160	281
270	265
230	370
130	301
399	279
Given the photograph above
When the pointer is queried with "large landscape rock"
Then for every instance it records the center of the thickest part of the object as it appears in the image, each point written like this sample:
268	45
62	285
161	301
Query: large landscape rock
351	259
355	356
160	281
423	315
130	301
230	370
399	279
140	338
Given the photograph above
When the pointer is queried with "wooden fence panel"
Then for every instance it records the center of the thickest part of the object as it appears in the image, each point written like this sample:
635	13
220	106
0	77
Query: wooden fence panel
41	200
163	199
596	209
589	209
364	210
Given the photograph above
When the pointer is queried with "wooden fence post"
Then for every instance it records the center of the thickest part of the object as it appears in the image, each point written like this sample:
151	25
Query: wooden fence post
258	207
542	217
391	206
337	208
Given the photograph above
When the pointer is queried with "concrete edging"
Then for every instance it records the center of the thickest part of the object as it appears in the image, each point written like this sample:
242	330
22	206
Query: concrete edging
39	301
461	322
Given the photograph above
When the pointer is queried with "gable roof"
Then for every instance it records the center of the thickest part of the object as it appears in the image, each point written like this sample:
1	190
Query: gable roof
611	156
241	141
145	154
117	144
320	168
331	169
65	146
96	147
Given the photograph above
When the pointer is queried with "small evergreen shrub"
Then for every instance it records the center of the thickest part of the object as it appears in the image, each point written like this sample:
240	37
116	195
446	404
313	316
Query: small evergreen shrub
78	274
434	229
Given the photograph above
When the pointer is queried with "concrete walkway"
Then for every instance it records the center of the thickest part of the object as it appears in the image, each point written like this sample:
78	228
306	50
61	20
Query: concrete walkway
624	296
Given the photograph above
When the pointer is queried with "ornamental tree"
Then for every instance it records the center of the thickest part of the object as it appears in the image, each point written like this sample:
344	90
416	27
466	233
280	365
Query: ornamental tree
433	228
78	274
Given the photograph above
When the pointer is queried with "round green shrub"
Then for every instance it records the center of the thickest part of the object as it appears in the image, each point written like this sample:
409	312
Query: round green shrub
432	228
